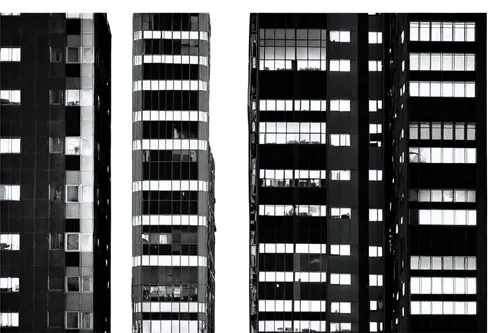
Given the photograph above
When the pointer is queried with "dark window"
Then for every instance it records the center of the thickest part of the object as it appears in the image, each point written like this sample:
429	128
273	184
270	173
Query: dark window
73	122
56	283
73	26
56	54
56	241
56	97
55	319
73	284
72	54
72	320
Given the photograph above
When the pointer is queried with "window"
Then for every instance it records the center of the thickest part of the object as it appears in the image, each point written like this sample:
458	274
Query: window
341	307
88	55
72	54
56	283
72	242
442	308
10	146
340	140
340	213
443	263
55	192
292	133
9	284
340	105
373	326
56	145
340	250
442	62
72	97
342	65
341	174
79	284
375	128
292	178
442	155
443	285
374	105
56	241
292	105
340	36
10	54
72	193
10	192
442	31
374	37
373	305
9	319
342	279
339	327
56	54
56	97
290	210
11	97
9	242
72	145
375	175
375	251
376	280
376	215
374	66
447	217
439	195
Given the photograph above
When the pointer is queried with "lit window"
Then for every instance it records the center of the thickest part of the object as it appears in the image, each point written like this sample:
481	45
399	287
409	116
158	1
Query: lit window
340	250
340	105
9	284
9	242
375	251
374	37
376	280
340	65
10	146
10	54
72	242
10	97
9	319
342	279
375	128
340	307
375	215
374	65
340	36
341	213
10	192
375	175
340	139
341	174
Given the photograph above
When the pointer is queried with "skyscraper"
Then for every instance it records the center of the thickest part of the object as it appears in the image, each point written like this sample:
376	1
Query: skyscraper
316	164
55	217
437	129
337	228
173	175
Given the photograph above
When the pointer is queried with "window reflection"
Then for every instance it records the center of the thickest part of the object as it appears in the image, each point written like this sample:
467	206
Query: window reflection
184	293
292	178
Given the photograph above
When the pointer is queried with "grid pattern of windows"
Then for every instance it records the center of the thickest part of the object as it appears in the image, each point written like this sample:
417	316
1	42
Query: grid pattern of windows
303	277
289	210
443	31
443	308
442	89
157	34
286	133
442	195
186	85
443	285
10	54
442	131
292	178
169	59
447	217
442	263
292	105
442	155
10	146
292	49
442	62
291	326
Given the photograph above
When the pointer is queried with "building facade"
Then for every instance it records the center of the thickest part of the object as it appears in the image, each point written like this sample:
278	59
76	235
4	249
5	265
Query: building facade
316	169
173	175
437	129
55	141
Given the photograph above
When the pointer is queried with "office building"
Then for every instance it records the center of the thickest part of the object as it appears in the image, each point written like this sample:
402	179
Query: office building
345	206
173	175
55	217
317	196
437	133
